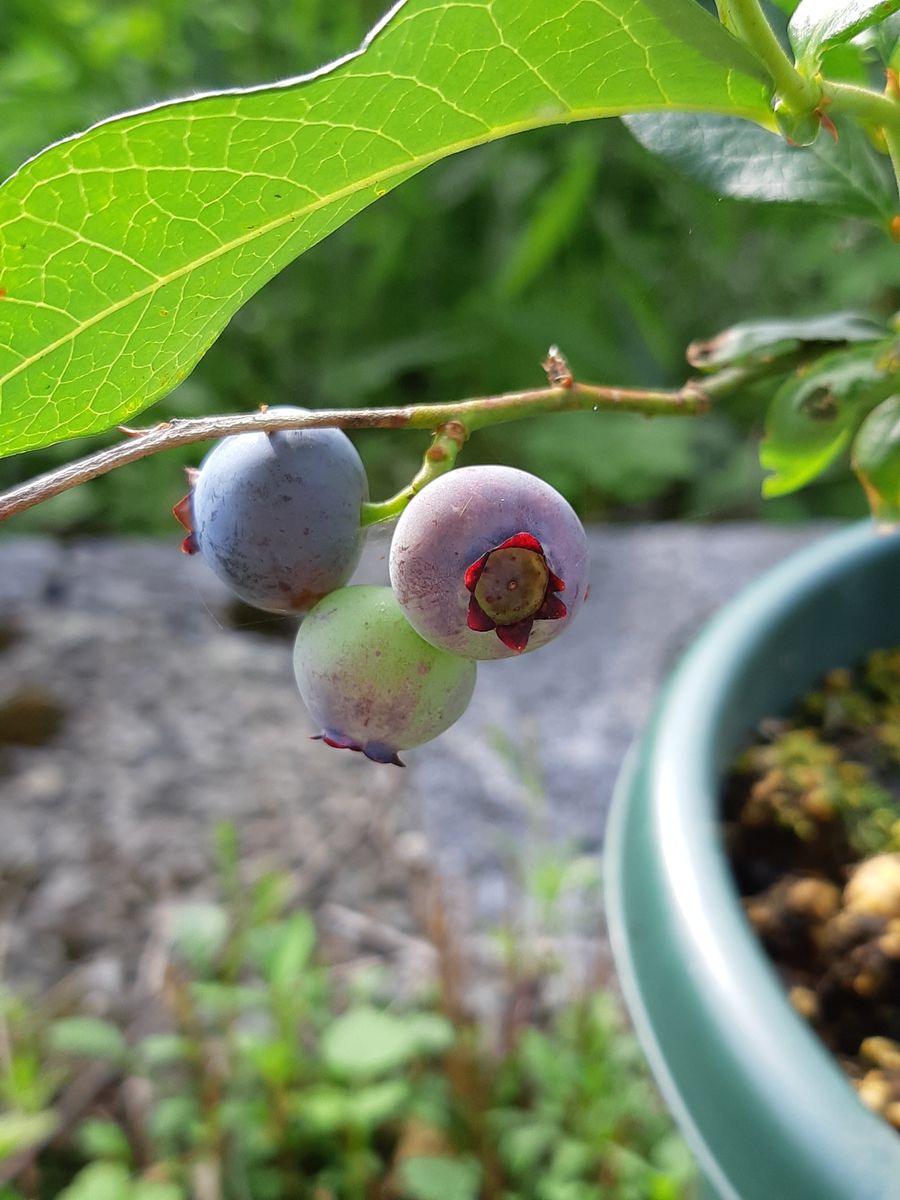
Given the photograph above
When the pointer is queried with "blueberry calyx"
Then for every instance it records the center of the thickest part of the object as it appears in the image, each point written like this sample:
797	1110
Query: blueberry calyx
374	751
510	587
183	513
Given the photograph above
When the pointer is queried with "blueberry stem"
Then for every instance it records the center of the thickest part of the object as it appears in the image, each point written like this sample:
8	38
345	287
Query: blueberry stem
440	457
451	424
746	19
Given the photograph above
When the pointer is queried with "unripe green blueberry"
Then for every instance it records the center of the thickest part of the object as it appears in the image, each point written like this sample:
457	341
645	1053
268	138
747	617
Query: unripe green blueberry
370	682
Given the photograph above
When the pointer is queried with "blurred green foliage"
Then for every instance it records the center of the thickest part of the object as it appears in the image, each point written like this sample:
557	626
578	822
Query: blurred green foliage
454	285
270	1076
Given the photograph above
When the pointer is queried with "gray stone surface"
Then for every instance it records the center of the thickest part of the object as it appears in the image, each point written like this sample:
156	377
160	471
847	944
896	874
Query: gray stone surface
582	700
175	717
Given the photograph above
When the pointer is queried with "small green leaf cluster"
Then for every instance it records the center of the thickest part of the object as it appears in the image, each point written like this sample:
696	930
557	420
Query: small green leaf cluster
264	1079
834	387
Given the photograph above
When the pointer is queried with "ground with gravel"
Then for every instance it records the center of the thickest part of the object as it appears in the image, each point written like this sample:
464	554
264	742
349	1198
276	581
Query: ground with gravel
138	708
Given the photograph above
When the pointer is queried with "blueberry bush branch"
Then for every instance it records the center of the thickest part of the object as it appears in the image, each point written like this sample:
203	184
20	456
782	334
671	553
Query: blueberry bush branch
746	19
454	421
804	100
880	113
171	217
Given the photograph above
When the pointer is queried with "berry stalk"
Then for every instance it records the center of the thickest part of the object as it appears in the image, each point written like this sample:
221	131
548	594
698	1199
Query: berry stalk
440	457
746	19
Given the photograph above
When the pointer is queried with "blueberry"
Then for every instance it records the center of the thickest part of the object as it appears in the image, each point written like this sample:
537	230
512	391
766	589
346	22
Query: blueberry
488	562
276	515
370	682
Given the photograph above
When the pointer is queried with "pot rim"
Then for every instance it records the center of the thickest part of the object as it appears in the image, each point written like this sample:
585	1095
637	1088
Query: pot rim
711	1013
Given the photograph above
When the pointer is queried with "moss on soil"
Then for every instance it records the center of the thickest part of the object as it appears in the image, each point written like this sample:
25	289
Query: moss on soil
812	829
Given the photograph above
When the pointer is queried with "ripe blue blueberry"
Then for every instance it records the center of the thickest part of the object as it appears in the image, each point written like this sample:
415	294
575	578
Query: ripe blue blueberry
276	515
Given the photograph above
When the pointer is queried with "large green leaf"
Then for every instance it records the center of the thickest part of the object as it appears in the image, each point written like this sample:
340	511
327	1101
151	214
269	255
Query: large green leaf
818	24
124	251
738	159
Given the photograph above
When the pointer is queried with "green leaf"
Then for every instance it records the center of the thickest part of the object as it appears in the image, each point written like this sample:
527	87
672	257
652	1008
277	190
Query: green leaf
247	1119
738	159
326	1108
672	1156
125	250
441	1179
274	1058
371	1106
847	63
103	1139
876	460
198	933
89	1037
572	1159
28	1084
163	1049
174	1120
430	1032
818	24
18	1131
886	38
100	1181
226	999
764	341
814	414
523	1148
268	897
290	952
366	1042
149	1189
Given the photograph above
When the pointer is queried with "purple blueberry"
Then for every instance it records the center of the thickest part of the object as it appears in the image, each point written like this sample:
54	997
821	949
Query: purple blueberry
488	562
276	515
370	682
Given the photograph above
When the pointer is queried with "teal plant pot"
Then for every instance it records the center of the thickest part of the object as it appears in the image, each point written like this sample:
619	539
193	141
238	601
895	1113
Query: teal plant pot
764	1106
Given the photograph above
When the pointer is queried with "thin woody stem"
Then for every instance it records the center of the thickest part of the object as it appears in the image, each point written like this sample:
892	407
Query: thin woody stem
451	425
694	397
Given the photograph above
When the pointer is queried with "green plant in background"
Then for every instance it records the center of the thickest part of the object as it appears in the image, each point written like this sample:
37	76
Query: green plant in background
27	1087
263	1079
